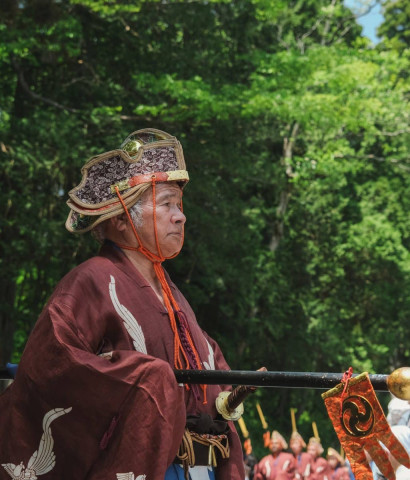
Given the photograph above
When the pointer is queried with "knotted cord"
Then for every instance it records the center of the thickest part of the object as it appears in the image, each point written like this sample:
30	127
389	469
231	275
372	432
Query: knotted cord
345	380
185	353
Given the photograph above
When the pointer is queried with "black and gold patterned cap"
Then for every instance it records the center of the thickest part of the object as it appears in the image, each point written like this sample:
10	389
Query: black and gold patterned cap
144	155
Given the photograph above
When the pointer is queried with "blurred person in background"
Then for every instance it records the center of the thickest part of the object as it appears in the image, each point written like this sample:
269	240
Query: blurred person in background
278	465
302	459
337	465
398	412
320	469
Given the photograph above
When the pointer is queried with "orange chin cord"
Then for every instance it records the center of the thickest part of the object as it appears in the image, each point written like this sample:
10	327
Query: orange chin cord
181	360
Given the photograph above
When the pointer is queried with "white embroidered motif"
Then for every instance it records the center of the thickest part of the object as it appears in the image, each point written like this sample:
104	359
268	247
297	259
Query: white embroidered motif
268	469
131	324
43	460
210	364
129	476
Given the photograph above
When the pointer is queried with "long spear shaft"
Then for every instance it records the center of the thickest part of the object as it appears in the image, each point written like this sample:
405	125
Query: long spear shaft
272	379
397	382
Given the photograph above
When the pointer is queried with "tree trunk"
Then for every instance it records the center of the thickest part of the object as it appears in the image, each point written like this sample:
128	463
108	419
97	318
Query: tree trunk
288	144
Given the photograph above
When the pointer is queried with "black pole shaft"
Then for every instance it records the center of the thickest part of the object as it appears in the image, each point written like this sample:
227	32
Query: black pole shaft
261	379
271	379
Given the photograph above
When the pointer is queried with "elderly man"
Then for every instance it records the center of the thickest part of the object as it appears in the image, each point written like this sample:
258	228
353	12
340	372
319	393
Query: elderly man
278	465
95	396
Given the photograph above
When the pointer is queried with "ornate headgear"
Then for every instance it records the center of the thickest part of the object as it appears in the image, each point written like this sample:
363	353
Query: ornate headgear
298	436
144	155
277	436
316	441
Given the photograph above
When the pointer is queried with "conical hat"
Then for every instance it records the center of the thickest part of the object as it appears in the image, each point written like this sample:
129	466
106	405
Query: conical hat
298	436
277	436
331	452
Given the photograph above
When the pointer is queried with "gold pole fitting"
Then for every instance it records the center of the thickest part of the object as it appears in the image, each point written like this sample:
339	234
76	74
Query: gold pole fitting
398	382
222	407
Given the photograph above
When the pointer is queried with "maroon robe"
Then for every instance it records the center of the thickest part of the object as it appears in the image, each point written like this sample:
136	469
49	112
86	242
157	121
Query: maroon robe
281	467
102	350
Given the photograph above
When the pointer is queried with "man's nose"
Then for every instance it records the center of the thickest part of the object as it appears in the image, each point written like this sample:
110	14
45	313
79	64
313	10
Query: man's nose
178	216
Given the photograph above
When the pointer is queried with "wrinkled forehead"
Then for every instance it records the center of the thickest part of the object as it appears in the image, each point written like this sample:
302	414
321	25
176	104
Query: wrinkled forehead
162	190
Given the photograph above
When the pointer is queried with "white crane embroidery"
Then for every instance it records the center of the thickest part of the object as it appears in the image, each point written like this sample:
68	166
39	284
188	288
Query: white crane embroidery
43	460
129	476
210	364
130	322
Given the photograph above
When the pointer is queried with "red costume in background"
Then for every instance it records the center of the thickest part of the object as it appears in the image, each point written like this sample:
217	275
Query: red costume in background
303	466
320	469
106	402
281	467
340	473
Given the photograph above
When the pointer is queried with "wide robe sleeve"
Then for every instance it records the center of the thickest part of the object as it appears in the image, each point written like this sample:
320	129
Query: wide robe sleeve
124	413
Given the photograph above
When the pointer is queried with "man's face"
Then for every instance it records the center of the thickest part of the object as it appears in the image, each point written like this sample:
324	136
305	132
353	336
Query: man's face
169	219
275	446
296	446
313	449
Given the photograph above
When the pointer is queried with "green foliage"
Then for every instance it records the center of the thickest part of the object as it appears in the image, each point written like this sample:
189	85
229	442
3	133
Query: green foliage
394	29
295	133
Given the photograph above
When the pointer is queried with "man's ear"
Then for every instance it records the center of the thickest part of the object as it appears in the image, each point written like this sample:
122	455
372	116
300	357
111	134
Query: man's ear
119	222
